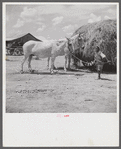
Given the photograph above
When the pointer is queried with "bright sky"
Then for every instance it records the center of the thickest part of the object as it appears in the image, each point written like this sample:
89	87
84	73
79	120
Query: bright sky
54	21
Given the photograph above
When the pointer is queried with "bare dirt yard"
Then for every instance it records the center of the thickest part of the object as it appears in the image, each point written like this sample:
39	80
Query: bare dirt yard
64	92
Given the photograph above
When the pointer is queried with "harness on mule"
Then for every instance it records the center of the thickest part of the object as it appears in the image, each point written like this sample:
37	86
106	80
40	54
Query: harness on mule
92	62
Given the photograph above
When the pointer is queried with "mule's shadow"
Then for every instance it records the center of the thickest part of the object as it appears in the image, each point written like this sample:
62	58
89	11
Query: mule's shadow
55	73
75	70
61	68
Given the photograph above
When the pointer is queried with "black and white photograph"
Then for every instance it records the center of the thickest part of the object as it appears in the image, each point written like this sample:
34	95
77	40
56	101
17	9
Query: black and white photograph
62	59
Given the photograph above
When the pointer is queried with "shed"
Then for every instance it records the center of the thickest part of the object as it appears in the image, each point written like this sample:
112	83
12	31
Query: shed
20	40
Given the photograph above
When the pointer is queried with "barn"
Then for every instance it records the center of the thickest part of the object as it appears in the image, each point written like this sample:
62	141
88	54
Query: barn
14	45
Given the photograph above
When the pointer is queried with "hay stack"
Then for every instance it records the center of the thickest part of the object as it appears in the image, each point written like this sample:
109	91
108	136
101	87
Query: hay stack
103	34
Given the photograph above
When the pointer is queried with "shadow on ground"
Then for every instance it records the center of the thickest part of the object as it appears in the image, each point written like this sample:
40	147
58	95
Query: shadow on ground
106	79
56	73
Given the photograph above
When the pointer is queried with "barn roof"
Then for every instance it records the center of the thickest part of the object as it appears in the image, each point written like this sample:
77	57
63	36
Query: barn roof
20	36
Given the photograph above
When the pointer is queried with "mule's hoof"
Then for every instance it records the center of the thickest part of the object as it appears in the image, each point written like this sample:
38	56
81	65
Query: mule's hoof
52	72
21	72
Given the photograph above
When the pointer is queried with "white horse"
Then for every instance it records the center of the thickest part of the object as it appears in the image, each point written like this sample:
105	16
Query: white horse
77	42
48	50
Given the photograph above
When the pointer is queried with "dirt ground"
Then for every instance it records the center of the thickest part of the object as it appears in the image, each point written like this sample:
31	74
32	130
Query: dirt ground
64	92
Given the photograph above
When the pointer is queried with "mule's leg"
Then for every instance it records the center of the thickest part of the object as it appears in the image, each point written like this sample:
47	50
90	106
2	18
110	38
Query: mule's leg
48	62
65	63
52	65
22	63
69	61
29	63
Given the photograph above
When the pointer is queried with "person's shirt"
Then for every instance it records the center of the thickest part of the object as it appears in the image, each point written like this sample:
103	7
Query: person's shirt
100	58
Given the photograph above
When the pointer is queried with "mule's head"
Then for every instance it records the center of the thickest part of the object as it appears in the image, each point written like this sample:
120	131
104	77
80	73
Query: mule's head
78	41
70	44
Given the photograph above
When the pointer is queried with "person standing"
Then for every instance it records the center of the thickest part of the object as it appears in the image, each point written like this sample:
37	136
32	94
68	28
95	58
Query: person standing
99	60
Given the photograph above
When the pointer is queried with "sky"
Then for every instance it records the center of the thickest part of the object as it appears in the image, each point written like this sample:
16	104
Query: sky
54	21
